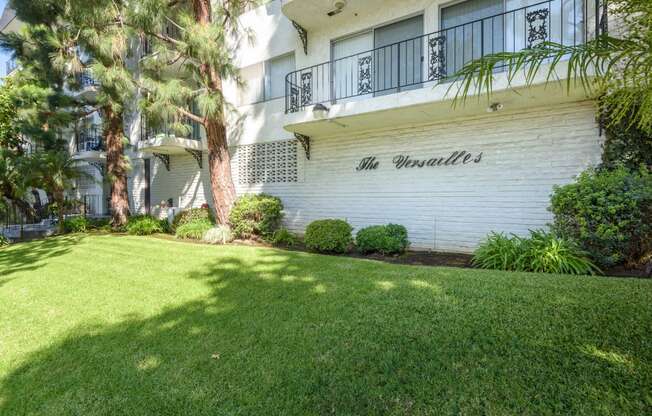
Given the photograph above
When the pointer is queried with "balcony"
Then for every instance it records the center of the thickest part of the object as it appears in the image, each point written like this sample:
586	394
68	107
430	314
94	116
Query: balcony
166	139
11	66
89	144
412	77
87	85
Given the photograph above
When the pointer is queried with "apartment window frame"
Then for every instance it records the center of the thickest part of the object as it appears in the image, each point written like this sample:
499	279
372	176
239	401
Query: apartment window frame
267	80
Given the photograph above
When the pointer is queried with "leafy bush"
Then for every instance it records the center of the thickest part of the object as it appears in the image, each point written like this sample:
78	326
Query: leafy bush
4	241
540	252
194	230
77	224
608	213
384	239
192	214
81	224
145	225
328	236
218	235
283	237
256	215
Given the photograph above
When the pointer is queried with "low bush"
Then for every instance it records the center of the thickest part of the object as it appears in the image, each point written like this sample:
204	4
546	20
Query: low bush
82	224
540	252
4	241
256	215
194	230
220	234
328	236
283	237
145	225
384	239
608	212
192	214
77	224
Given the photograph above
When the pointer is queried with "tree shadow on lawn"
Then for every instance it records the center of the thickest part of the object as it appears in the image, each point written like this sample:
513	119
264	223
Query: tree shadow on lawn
290	333
33	255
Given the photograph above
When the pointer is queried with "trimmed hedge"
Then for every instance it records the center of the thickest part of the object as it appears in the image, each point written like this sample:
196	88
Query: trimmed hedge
82	224
384	239
256	215
192	214
328	236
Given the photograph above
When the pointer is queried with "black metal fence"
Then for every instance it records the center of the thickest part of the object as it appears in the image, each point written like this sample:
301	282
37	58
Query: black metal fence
433	57
89	139
85	79
169	127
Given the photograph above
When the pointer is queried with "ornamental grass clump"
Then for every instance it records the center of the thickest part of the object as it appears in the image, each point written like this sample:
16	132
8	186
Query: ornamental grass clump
220	234
540	252
194	230
145	225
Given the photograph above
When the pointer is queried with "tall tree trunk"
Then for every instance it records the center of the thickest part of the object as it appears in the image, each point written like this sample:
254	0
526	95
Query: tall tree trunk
116	167
219	159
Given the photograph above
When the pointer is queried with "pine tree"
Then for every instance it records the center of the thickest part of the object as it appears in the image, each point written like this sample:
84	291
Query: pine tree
81	34
195	35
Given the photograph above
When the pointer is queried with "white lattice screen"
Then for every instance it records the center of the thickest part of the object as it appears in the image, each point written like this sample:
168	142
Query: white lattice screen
274	162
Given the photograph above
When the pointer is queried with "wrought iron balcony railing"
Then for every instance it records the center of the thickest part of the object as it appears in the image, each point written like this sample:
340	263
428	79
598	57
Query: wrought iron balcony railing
434	57
89	139
85	79
149	130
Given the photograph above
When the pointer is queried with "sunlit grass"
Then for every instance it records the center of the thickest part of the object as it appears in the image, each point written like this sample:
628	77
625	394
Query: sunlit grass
103	325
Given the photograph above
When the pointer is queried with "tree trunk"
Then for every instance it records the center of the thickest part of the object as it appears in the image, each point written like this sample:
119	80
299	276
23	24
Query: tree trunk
60	200
219	159
116	167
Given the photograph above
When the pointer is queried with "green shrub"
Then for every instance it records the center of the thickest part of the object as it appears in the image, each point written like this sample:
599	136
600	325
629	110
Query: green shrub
540	252
218	235
384	239
328	236
498	252
145	225
77	224
194	230
256	215
4	241
283	237
192	214
608	213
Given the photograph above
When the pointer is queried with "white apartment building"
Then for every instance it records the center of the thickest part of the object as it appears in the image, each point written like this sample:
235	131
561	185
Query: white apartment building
348	113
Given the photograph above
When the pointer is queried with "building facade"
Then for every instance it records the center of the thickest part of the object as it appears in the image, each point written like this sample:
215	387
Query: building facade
348	113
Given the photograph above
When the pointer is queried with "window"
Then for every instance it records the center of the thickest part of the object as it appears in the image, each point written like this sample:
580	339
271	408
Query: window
266	80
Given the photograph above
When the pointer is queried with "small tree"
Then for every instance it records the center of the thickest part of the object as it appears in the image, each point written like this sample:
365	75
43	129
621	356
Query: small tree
55	172
198	40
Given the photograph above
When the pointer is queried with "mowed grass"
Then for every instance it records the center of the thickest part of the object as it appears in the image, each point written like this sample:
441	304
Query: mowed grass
116	325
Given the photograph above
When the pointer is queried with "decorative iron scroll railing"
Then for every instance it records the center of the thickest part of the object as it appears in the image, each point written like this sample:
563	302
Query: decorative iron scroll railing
433	57
89	139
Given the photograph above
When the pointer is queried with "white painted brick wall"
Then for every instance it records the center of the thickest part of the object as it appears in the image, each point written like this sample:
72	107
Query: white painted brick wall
447	208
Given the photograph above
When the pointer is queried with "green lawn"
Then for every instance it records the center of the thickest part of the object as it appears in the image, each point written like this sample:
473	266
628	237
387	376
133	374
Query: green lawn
116	325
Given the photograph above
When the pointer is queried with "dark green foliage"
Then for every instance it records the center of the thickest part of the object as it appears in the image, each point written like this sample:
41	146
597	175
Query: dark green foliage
328	236
608	212
82	224
4	241
284	237
626	145
256	215
191	215
194	230
145	225
384	239
540	252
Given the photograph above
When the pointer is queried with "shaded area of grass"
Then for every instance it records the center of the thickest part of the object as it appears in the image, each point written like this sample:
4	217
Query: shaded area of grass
138	326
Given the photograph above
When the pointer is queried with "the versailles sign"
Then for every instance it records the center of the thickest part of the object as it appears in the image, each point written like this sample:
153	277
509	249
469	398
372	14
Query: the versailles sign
461	157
